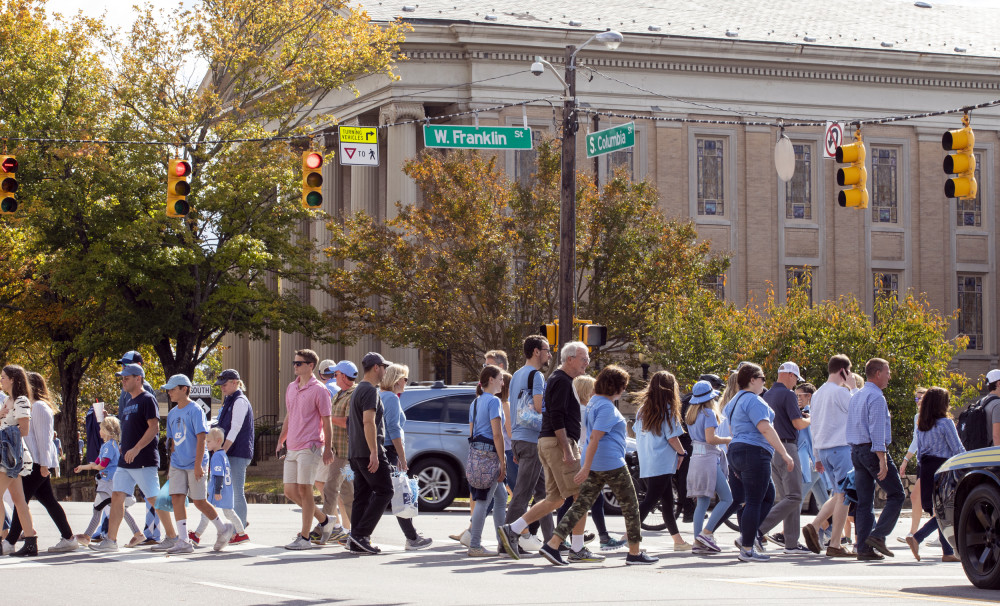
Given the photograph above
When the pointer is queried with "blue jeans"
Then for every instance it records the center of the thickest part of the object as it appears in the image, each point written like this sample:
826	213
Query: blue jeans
238	472
511	470
928	467
751	467
865	478
721	508
499	502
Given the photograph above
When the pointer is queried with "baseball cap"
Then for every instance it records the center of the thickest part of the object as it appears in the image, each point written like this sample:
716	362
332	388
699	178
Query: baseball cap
993	376
176	381
131	370
131	357
227	375
791	367
347	367
372	359
326	367
703	392
713	379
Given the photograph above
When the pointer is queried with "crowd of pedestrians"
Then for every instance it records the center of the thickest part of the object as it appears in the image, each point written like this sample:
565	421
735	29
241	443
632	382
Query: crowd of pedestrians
554	442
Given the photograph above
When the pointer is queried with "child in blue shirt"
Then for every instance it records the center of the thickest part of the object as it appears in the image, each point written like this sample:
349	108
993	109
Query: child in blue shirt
220	489
106	464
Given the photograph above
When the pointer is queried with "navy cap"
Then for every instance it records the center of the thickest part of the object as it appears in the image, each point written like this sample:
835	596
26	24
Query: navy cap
227	375
373	359
132	357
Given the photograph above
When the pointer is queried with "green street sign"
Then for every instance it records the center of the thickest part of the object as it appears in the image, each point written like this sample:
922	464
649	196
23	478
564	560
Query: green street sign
483	137
611	140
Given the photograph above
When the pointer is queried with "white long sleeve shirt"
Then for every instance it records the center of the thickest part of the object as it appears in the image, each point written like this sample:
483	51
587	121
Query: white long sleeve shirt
828	409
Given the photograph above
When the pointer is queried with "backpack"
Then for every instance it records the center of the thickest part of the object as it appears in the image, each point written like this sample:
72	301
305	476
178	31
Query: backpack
526	415
974	427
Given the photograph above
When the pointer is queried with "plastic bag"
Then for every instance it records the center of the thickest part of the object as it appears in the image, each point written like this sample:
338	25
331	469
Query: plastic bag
404	497
348	473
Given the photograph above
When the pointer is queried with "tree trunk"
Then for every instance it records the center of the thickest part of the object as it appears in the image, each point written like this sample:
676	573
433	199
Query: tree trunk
67	424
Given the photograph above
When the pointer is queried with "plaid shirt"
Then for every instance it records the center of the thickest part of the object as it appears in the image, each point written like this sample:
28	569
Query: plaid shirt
341	408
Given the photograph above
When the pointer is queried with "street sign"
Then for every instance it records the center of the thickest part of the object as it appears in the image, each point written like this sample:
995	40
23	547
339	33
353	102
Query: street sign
358	146
483	137
611	140
358	154
202	396
833	139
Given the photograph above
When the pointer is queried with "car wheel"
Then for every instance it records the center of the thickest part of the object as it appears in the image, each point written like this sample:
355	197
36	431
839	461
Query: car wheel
979	536
438	483
611	504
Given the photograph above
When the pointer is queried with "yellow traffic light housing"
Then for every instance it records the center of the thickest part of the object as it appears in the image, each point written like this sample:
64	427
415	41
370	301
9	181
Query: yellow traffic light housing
962	163
551	332
855	175
178	188
8	185
312	180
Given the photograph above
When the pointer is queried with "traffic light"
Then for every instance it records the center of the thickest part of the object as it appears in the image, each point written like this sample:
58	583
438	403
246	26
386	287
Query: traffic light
962	163
854	175
551	332
312	180
8	187
594	335
178	188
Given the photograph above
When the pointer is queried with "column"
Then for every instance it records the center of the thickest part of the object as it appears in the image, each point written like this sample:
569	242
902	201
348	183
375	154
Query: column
401	146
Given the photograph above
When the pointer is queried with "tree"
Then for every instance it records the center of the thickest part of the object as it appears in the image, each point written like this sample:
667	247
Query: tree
474	267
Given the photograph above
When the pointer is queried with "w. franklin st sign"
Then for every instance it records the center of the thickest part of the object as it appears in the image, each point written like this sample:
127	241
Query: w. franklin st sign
483	137
611	140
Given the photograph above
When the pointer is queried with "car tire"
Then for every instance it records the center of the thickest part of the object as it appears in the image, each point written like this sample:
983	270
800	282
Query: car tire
438	482
978	536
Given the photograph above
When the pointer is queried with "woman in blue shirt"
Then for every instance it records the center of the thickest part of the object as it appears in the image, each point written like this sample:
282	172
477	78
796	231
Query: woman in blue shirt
392	386
486	430
658	429
937	441
754	443
603	463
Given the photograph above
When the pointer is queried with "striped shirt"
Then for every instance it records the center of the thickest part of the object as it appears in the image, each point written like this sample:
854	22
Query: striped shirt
868	420
941	441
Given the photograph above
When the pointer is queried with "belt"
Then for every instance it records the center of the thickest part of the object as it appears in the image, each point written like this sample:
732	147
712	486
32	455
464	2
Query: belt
792	441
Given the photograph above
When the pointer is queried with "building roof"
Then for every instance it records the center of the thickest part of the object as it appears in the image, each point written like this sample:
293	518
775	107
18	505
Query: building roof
950	27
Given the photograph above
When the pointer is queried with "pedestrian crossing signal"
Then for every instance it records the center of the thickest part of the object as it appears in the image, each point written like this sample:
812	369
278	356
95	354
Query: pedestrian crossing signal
551	332
8	185
178	188
312	180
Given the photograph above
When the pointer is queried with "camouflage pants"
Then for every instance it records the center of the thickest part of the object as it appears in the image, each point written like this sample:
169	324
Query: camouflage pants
620	482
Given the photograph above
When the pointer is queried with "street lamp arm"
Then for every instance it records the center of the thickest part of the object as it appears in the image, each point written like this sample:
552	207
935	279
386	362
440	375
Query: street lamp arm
538	67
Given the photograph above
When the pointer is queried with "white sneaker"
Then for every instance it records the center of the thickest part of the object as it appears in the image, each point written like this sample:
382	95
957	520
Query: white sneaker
466	539
299	544
165	545
64	545
224	536
181	547
529	542
933	542
7	547
105	545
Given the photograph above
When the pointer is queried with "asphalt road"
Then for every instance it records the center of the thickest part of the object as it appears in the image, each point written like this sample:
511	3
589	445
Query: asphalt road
262	572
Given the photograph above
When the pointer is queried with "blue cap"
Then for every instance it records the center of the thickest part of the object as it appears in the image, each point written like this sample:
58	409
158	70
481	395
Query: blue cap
703	392
227	375
347	367
132	357
131	370
176	381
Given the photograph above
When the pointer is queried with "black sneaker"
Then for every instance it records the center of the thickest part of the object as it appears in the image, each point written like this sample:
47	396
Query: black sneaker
588	537
870	556
640	559
509	541
553	555
360	545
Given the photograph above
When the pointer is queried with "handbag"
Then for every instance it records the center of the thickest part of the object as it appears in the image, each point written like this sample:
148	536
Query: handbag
527	416
482	468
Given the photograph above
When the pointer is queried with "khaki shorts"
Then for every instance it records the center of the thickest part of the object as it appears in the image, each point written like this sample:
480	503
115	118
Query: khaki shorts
559	484
182	481
302	466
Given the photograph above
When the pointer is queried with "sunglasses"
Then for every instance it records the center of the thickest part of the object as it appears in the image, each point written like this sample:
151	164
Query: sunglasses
298	363
758	376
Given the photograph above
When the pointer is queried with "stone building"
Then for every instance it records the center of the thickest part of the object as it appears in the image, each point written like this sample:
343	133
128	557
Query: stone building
748	65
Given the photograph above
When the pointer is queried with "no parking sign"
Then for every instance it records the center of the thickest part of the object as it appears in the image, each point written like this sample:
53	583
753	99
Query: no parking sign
833	139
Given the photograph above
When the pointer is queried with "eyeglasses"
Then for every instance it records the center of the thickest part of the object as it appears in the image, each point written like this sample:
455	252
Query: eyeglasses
298	363
758	376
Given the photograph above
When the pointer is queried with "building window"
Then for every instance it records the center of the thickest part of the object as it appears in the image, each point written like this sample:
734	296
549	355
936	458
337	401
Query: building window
798	191
526	161
799	278
886	285
711	181
620	158
884	185
970	309
717	284
970	212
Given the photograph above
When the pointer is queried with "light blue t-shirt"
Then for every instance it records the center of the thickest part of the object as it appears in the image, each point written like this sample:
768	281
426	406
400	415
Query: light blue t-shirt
602	415
656	456
331	385
519	383
705	419
183	426
394	416
745	410
109	451
486	408
220	468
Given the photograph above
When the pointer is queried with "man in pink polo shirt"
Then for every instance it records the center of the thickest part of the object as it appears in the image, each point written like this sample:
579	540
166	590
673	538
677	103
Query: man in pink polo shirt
306	429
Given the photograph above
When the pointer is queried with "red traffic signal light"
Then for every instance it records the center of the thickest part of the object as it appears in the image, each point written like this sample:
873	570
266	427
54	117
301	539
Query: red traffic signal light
313	160
312	180
181	168
178	188
8	185
9	164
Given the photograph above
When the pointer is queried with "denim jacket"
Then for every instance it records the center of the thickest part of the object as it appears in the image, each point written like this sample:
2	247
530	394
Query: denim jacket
11	451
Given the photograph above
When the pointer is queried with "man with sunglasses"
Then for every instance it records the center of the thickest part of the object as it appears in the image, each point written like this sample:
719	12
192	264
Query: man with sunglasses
307	431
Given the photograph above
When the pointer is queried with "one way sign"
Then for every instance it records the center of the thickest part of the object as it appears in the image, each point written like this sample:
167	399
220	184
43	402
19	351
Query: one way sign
358	154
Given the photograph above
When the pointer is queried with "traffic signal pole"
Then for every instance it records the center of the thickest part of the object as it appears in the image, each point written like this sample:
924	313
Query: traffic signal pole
567	205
